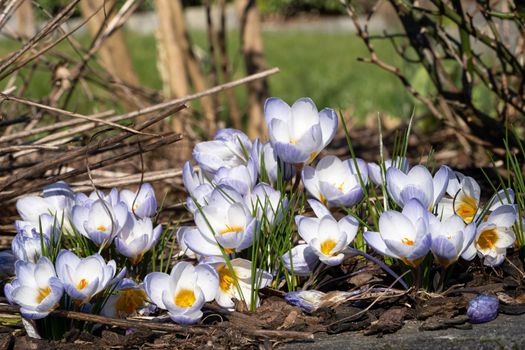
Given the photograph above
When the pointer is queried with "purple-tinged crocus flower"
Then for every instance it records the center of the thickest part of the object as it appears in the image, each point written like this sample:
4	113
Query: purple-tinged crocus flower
36	288
226	221
197	186
141	203
298	133
264	156
101	221
84	278
300	260
374	169
184	291
335	182
29	239
137	241
241	177
229	149
451	238
267	203
57	201
405	236
418	183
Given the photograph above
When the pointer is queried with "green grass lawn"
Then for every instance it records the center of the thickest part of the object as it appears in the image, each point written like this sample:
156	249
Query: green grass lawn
322	66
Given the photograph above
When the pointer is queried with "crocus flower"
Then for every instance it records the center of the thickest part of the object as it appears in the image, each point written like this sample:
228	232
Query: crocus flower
267	203
264	155
36	288
495	235
141	203
483	308
57	201
134	243
29	239
242	290
450	239
298	133
127	299
404	235
184	291
197	186
241	177
230	148
226	220
418	183
464	199
374	169
184	249
327	237
84	278
101	221
300	260
335	182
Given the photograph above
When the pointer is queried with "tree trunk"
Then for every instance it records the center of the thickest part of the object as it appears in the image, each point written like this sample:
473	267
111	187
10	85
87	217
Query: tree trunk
253	51
114	54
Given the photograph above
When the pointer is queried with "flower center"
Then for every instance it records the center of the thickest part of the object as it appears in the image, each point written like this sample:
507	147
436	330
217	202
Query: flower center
488	238
82	284
293	141
407	241
185	298
129	300
230	229
340	187
42	294
102	228
226	278
467	208
327	246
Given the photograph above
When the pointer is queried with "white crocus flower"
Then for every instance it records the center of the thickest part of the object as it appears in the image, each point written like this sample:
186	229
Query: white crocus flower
36	288
141	203
267	203
184	291
374	169
495	235
84	278
127	299
137	241
335	182
237	284
327	237
451	238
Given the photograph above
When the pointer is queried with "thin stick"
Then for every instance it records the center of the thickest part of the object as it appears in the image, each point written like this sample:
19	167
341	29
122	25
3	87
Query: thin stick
70	114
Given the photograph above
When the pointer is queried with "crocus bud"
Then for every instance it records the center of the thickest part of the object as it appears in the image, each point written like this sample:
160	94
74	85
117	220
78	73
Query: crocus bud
483	308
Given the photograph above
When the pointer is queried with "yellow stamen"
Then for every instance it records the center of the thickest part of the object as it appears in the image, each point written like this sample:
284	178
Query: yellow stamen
129	300
230	229
226	278
327	246
322	199
340	187
312	157
467	208
487	239
102	228
407	241
42	294
293	141
82	284
185	298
